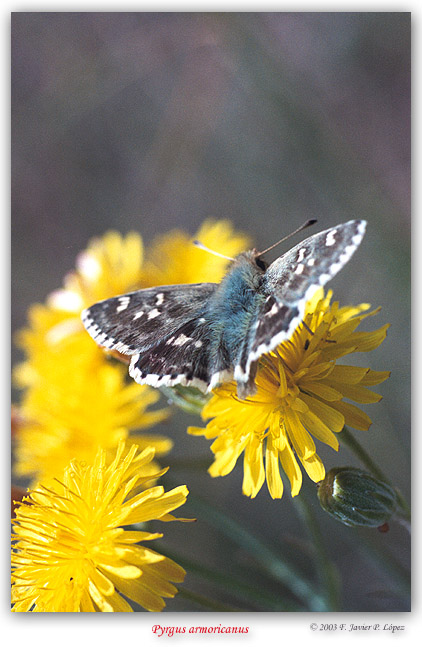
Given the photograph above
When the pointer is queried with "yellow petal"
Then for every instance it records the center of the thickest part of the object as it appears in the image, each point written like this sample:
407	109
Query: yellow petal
135	536
102	582
99	599
119	604
135	590
151	418
169	570
274	481
314	468
85	604
321	390
299	406
197	431
335	351
210	431
330	415
161	444
347	374
226	460
154	507
317	428
291	468
342	332
127	571
366	341
346	312
301	440
353	416
155	582
360	394
375	377
253	468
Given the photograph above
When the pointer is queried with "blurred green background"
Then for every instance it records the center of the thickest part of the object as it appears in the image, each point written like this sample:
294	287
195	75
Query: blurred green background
150	121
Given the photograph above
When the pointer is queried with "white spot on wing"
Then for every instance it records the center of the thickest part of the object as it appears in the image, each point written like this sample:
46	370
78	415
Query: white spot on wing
159	299
331	237
273	311
301	255
324	278
357	239
154	313
181	339
109	343
124	302
101	338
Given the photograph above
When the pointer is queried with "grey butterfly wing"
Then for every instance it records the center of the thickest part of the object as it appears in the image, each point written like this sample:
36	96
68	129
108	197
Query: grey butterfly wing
180	358
134	322
288	284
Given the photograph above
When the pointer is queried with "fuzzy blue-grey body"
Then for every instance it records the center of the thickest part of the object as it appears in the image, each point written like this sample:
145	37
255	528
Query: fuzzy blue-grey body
206	333
235	303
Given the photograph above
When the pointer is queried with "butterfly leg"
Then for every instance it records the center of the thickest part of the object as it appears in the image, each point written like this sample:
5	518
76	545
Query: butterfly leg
305	325
311	332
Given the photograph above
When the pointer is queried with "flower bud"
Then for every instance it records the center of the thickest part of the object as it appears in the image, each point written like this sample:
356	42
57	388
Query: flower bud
356	498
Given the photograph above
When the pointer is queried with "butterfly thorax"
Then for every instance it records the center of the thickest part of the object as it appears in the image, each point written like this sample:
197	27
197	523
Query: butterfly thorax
235	301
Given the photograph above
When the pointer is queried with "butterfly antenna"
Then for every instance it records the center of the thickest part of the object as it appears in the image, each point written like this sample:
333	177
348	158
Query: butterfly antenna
200	245
306	224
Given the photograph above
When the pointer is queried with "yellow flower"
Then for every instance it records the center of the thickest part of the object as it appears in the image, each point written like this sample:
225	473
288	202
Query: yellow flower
71	551
300	395
44	342
111	265
173	258
75	400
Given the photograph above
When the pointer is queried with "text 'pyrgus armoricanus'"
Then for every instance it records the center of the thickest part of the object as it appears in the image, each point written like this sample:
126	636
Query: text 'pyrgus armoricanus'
204	334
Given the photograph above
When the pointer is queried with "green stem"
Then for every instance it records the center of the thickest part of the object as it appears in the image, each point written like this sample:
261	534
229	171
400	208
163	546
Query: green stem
350	441
275	565
205	601
253	595
327	573
385	560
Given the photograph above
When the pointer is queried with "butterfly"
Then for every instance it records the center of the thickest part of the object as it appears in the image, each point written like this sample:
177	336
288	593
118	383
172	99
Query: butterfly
205	334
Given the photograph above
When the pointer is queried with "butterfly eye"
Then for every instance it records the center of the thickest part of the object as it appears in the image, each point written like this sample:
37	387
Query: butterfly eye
261	264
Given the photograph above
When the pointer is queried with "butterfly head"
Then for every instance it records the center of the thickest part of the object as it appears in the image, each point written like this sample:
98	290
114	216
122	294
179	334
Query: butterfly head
252	257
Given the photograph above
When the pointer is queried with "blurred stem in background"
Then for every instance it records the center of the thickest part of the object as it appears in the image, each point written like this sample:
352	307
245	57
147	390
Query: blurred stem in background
272	563
348	439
